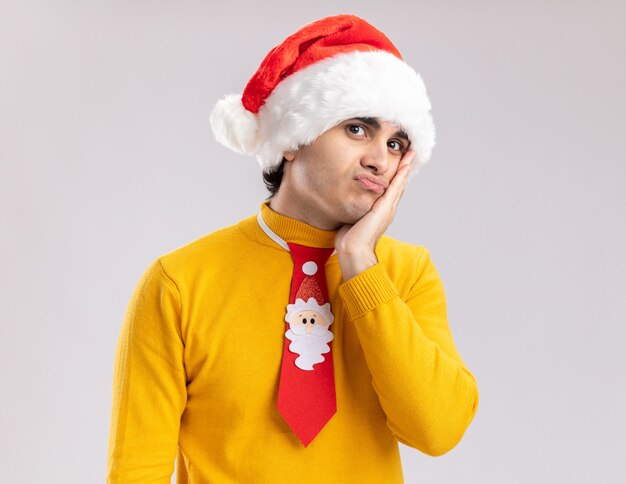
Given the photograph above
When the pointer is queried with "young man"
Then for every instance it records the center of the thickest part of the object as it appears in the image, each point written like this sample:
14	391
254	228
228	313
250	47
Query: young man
301	344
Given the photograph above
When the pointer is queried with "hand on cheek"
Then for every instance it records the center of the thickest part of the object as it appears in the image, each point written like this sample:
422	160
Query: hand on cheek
355	244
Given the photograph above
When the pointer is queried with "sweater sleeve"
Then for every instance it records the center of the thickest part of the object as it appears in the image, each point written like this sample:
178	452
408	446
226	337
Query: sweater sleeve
425	390
149	384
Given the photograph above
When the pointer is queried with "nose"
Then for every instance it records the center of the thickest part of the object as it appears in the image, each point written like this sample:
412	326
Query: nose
375	157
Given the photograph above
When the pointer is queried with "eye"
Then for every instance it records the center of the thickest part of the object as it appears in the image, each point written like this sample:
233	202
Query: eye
355	129
396	145
304	320
312	320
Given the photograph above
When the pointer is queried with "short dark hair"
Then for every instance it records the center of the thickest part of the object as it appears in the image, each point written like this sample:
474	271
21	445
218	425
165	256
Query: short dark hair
273	178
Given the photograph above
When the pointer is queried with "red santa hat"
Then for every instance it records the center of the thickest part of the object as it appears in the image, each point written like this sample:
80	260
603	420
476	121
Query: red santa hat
309	295
330	70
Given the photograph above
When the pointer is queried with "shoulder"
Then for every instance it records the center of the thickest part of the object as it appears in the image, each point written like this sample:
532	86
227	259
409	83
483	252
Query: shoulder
405	263
214	250
394	251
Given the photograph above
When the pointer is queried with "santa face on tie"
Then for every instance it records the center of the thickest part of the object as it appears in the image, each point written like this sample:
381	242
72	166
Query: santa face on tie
308	331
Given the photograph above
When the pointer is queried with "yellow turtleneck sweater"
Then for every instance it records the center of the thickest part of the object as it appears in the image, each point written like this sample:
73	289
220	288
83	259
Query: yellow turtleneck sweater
200	350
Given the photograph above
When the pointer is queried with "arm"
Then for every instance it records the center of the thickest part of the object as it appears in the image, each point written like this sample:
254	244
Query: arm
149	384
424	388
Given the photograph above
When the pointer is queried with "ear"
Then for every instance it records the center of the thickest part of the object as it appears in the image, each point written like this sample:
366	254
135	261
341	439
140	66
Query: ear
289	155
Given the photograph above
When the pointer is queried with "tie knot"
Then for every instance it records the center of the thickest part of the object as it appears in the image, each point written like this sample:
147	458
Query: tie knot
309	274
309	259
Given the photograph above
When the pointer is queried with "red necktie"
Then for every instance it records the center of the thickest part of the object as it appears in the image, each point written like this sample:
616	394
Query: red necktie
306	395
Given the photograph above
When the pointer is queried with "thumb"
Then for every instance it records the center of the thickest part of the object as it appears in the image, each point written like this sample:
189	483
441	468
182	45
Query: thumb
341	234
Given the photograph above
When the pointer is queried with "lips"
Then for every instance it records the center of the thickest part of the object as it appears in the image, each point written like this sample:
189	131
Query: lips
370	183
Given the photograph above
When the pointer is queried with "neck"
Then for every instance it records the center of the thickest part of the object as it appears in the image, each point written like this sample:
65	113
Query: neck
287	228
293	207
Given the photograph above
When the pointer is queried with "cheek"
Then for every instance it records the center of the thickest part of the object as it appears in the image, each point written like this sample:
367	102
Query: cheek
314	178
320	323
323	172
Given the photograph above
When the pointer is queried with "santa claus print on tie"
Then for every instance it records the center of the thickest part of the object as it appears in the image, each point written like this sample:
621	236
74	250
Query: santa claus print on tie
309	330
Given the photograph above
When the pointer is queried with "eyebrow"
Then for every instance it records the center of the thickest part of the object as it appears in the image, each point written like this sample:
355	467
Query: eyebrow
374	123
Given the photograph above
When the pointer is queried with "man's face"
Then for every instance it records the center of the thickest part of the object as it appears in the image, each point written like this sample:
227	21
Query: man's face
339	176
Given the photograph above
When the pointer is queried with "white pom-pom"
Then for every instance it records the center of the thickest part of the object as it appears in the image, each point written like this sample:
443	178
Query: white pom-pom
234	126
309	268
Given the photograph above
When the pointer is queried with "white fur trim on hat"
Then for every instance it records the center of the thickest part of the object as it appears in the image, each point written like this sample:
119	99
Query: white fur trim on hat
234	126
318	97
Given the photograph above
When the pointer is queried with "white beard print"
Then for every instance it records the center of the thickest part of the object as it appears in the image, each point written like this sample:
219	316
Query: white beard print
309	346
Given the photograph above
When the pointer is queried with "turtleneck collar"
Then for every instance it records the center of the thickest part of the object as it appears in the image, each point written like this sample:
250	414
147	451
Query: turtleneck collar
289	229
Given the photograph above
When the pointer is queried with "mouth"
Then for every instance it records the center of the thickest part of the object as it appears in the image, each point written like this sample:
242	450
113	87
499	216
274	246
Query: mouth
370	184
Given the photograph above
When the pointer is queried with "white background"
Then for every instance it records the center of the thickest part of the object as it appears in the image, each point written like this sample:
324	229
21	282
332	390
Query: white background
108	161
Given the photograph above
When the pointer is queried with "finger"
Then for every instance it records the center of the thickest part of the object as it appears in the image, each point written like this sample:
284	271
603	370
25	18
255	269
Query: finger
407	158
386	205
389	201
403	168
402	176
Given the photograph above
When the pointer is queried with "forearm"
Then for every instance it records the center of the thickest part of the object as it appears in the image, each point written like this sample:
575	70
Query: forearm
428	395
